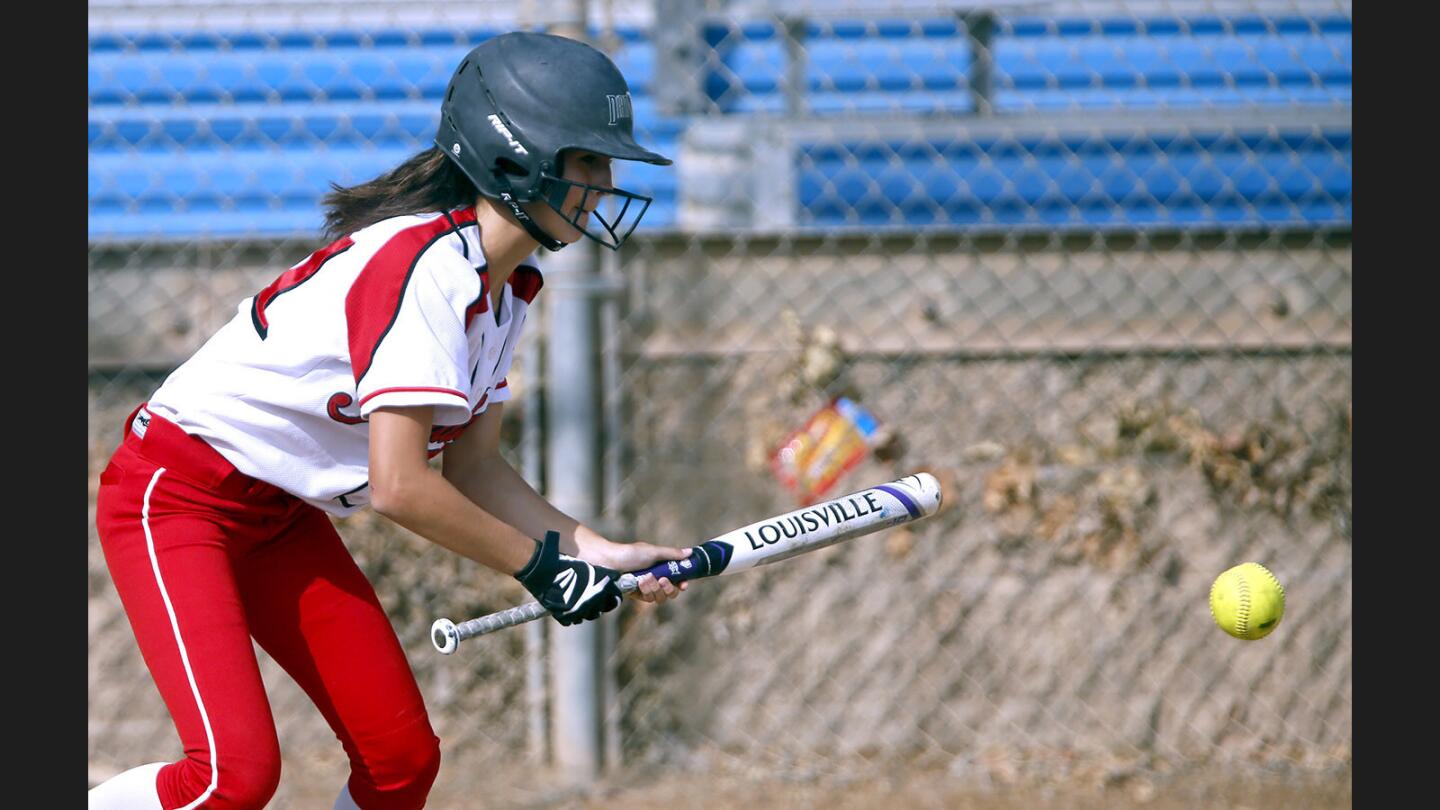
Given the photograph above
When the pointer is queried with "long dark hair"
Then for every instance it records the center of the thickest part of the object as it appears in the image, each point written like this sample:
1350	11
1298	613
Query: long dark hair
428	181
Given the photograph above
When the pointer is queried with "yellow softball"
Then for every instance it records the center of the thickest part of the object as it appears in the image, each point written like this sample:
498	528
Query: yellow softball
1247	601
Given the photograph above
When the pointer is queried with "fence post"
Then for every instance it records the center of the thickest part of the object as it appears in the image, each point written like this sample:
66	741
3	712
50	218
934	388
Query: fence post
797	62
572	465
980	32
572	472
680	52
532	441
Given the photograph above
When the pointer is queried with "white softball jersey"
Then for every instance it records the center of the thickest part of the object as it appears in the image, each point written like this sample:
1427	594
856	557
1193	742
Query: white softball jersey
397	314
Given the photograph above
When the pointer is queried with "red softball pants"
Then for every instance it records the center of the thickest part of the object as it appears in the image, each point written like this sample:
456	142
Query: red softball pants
204	558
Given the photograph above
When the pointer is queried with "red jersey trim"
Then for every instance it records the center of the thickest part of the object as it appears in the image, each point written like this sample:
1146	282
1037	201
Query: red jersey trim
480	305
290	279
526	282
421	389
373	304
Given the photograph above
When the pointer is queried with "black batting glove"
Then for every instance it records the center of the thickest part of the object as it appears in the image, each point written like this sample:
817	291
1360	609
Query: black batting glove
571	589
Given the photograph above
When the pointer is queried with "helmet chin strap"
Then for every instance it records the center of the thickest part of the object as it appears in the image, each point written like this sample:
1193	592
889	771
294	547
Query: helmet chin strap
507	196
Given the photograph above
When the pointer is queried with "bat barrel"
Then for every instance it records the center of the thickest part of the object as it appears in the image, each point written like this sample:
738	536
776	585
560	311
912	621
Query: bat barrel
825	523
921	489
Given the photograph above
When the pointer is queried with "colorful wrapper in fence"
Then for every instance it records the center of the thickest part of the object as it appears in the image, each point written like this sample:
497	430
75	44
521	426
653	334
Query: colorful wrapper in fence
831	443
1088	262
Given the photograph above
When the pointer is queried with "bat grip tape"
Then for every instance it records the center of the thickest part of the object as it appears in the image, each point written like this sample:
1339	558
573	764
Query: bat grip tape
707	560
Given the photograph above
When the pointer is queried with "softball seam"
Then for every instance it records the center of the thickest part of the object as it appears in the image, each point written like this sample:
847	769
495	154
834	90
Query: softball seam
1273	580
1276	583
1242	612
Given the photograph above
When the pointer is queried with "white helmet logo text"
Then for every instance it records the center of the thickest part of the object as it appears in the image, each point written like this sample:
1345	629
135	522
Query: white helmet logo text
619	107
509	136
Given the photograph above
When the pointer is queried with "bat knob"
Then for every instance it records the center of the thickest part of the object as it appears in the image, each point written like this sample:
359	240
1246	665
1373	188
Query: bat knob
444	636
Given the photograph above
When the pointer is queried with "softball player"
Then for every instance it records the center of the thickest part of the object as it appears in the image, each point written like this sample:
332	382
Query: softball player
330	390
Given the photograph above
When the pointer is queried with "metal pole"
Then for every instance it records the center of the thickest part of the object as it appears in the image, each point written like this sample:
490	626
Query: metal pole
678	85
572	467
611	476
980	31
572	463
797	83
532	463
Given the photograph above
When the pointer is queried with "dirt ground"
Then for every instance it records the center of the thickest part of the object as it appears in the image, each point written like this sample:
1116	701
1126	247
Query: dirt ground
937	792
1254	789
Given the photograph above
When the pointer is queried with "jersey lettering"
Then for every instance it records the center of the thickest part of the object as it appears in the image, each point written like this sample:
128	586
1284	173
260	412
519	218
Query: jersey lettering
340	400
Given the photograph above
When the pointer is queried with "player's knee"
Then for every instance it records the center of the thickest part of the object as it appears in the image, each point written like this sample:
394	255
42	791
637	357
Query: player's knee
238	782
399	776
412	771
252	787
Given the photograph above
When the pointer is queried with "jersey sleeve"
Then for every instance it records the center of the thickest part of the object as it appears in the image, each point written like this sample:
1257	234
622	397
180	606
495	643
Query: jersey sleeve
406	329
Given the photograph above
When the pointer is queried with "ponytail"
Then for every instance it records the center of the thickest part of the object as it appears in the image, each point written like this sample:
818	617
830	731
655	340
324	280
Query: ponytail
428	181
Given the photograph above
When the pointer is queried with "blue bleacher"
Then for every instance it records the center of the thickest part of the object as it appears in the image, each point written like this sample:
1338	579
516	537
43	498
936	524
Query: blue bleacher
1091	71
1045	64
1163	179
216	134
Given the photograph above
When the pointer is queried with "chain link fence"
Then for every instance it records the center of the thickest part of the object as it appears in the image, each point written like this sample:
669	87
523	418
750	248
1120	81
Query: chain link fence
1087	262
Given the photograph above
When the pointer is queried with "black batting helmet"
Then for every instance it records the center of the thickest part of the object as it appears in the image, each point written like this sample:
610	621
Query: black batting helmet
516	102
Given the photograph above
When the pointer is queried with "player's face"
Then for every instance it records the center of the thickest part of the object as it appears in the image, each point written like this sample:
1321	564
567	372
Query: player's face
580	167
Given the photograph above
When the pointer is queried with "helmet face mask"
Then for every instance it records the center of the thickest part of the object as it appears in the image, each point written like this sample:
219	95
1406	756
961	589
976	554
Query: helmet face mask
516	103
613	229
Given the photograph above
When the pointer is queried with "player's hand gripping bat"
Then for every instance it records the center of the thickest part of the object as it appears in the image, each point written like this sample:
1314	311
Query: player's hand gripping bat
770	540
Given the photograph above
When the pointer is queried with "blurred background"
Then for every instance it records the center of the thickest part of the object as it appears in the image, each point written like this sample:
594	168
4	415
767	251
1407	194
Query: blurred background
1087	262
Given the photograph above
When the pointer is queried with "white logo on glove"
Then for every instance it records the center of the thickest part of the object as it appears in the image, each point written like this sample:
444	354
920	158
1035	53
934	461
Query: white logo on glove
566	579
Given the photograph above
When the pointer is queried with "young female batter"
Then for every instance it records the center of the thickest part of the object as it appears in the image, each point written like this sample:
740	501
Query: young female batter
331	389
